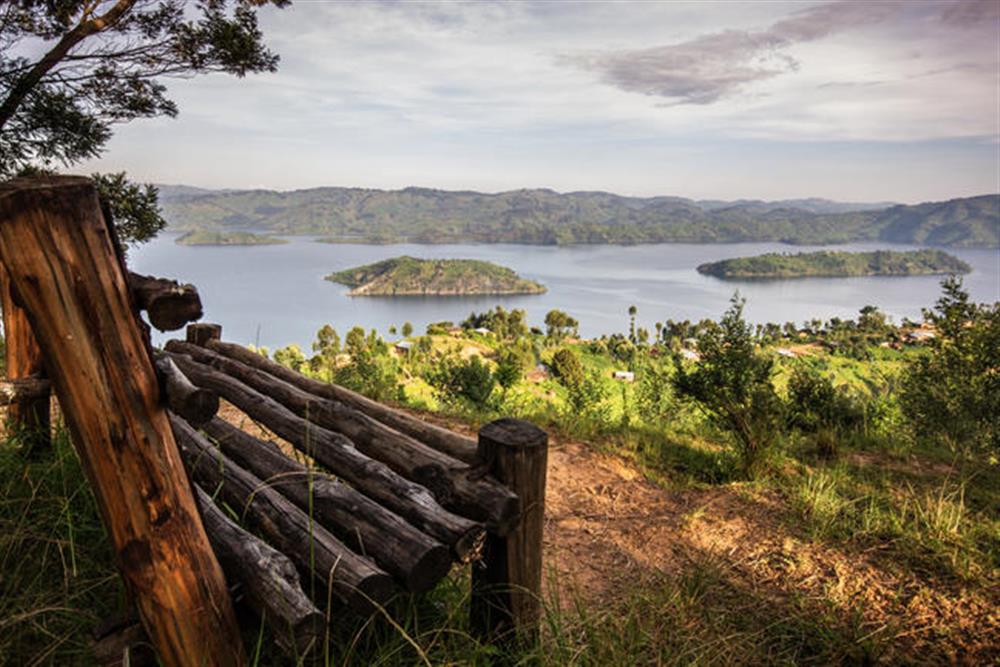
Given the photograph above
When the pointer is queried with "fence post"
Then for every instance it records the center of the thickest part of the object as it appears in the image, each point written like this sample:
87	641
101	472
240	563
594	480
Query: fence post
58	252
28	417
507	583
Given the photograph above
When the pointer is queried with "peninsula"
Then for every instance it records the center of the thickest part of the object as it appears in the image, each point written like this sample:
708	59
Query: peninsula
408	276
206	237
836	264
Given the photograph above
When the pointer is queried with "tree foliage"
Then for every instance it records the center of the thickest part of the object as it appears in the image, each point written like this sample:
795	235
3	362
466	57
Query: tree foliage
71	69
732	384
952	395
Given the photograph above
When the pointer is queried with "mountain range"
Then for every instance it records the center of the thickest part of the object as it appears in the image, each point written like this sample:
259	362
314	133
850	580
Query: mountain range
541	216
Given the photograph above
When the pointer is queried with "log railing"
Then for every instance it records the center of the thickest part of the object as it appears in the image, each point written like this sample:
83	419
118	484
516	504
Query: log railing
387	501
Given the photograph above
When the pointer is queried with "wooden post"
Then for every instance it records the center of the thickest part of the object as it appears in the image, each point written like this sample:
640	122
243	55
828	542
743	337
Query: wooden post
200	334
29	417
507	583
59	255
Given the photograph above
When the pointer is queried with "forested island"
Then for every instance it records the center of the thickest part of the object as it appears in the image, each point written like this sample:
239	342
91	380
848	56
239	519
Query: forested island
544	217
837	264
207	237
409	276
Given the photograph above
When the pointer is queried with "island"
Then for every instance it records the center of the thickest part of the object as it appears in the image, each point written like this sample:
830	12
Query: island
836	264
409	276
206	237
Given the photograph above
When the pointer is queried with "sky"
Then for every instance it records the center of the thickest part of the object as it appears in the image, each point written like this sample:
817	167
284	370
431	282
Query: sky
852	101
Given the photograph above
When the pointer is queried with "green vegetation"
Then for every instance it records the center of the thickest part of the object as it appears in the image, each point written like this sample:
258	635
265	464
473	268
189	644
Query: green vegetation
202	237
407	276
544	217
837	264
870	532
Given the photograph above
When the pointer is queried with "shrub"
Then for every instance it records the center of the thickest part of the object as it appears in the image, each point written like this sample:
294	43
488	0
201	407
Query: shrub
732	384
470	381
566	367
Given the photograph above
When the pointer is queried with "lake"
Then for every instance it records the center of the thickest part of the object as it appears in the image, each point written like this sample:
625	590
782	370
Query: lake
276	295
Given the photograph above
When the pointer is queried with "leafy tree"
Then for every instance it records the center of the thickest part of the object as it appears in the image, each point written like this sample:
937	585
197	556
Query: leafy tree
559	324
567	368
817	407
470	381
654	395
952	394
71	69
291	356
732	384
371	370
407	329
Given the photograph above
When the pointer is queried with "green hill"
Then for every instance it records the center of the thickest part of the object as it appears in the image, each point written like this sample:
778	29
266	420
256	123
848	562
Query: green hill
407	276
837	264
545	217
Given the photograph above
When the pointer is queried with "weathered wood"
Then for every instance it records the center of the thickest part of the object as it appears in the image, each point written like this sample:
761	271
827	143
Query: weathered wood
169	304
59	255
194	404
24	389
456	485
448	442
372	478
267	578
507	584
318	554
28	415
416	560
202	333
122	642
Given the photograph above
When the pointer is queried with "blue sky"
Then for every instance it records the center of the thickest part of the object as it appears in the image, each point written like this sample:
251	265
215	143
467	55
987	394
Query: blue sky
859	101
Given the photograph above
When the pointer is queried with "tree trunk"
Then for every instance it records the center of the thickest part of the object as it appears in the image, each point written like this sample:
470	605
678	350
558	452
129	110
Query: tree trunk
454	484
63	271
317	553
407	499
268	579
28	415
412	557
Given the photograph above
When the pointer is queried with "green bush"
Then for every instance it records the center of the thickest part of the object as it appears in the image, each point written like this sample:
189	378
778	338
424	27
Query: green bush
468	381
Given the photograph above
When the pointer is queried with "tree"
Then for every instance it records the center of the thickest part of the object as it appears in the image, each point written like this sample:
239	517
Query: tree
952	394
559	324
732	384
567	368
407	329
101	62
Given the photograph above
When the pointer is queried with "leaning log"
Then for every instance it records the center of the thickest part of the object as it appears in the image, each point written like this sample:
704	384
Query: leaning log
196	405
29	415
413	558
376	480
445	441
454	484
169	304
317	553
267	578
60	258
24	389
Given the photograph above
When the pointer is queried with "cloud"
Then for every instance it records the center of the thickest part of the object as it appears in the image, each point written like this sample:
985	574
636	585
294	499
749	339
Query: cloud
708	68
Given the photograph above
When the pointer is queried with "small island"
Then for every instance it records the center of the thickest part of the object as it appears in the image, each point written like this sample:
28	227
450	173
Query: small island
205	237
408	276
829	264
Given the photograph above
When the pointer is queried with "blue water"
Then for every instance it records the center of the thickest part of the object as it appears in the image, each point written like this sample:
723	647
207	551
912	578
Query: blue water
276	295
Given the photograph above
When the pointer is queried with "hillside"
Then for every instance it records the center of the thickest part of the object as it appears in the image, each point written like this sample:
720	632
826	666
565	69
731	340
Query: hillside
837	264
207	237
545	217
407	276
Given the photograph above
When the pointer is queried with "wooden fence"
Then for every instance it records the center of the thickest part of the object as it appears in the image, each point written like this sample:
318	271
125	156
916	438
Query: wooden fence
376	501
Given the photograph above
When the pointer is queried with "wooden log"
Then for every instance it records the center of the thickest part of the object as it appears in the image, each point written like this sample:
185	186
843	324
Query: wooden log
448	442
376	480
196	405
456	485
318	554
169	304
59	255
507	584
29	416
416	560
267	578
122	642
202	333
24	389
